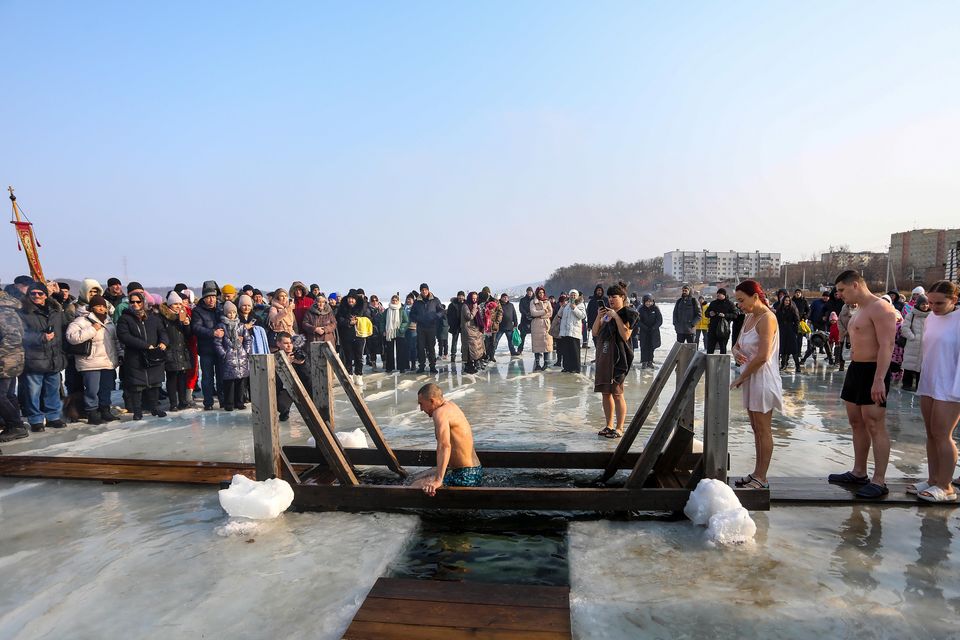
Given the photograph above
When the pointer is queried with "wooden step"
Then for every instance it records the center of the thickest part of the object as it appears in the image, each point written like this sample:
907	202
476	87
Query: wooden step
121	469
427	609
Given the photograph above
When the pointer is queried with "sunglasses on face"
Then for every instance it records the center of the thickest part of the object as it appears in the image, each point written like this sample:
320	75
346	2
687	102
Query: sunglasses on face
37	294
136	302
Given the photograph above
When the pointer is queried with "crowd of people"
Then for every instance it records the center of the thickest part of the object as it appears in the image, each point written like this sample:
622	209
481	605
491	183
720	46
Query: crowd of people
180	345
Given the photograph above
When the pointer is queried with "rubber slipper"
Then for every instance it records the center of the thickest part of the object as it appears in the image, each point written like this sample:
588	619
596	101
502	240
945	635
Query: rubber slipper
873	490
936	494
917	487
613	434
847	478
604	431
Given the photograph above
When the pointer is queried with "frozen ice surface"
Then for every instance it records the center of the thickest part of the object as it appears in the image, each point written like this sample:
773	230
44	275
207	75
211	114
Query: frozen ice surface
264	500
733	526
709	498
82	560
856	572
239	527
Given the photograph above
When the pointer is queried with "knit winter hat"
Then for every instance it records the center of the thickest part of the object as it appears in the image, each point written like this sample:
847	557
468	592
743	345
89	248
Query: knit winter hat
37	286
721	290
27	280
229	307
244	299
113	281
174	298
210	288
133	286
180	286
921	299
918	291
97	301
228	288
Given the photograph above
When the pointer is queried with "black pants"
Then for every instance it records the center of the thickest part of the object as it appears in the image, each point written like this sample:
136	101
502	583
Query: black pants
353	355
569	350
646	353
443	347
143	398
812	352
426	346
454	336
524	332
177	389
233	393
910	379
395	354
9	405
713	343
681	338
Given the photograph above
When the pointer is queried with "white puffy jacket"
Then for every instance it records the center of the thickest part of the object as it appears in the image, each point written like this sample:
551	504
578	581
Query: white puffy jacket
104	350
912	329
571	320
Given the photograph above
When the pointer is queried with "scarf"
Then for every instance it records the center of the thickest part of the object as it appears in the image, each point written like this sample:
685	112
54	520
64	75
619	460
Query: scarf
393	321
232	330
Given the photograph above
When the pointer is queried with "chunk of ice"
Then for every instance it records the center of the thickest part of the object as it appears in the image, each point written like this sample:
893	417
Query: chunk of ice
349	439
731	527
238	528
710	497
714	503
247	498
353	439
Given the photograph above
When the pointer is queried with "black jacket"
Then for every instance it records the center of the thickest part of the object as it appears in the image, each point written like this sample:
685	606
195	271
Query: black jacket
509	321
649	321
593	307
525	317
723	309
426	313
803	307
178	354
345	330
789	322
686	315
453	315
137	336
39	355
203	323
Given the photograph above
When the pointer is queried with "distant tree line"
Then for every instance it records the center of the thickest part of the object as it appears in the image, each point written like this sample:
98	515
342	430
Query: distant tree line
641	277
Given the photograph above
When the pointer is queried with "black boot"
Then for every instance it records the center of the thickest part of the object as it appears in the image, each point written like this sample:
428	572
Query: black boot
93	417
106	415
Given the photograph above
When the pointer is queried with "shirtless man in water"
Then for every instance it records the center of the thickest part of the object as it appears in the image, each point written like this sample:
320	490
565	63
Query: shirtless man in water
871	331
457	462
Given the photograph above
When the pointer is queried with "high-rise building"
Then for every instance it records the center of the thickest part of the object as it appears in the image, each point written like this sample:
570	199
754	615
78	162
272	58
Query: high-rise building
953	263
921	253
714	266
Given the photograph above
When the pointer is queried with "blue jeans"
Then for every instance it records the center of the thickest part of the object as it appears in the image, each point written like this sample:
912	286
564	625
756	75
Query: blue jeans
97	386
210	372
45	387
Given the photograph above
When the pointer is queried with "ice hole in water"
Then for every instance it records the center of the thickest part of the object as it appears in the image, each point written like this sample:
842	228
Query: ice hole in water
714	504
246	498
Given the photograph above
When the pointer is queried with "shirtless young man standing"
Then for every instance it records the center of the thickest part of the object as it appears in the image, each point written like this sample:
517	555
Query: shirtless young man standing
867	383
457	462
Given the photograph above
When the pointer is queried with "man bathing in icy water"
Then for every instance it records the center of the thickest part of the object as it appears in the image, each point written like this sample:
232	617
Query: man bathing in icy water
457	462
867	383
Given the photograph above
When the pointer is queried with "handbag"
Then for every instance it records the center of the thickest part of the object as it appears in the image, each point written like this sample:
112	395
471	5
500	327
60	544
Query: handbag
152	357
723	329
83	349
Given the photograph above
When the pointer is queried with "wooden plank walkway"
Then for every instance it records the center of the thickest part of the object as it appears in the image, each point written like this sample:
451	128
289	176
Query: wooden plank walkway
817	491
121	469
437	610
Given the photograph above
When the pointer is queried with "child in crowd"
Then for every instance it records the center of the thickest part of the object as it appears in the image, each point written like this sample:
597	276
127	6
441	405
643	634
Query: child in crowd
836	341
234	350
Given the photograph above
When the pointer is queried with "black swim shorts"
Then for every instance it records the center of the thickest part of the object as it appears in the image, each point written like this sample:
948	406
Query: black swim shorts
859	381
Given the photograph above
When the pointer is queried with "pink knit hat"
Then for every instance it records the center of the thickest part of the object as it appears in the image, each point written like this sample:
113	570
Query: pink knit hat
833	316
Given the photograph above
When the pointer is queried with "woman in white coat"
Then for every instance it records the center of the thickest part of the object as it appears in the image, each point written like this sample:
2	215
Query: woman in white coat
912	331
97	366
540	339
571	330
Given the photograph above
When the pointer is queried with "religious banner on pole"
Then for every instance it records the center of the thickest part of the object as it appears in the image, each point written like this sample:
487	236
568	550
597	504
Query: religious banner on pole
26	241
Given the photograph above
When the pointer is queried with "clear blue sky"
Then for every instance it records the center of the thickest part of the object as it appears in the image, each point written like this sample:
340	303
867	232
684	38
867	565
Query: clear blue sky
380	144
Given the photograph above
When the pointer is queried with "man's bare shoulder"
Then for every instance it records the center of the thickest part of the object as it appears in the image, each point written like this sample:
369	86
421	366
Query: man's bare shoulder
448	410
880	311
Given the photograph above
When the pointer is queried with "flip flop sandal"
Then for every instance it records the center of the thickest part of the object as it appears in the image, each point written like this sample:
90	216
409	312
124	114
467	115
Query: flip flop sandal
917	487
936	494
613	434
603	432
744	481
873	490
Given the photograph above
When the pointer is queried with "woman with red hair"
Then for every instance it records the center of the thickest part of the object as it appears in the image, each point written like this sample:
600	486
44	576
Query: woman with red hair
757	352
